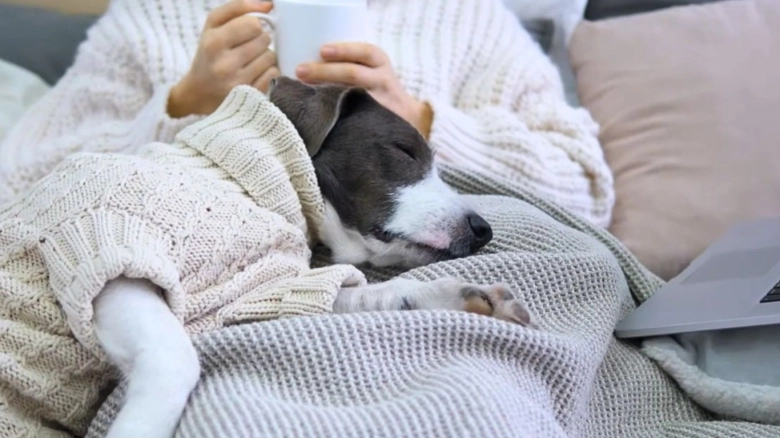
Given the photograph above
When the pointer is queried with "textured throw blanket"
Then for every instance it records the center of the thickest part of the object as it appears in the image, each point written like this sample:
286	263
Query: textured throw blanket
447	374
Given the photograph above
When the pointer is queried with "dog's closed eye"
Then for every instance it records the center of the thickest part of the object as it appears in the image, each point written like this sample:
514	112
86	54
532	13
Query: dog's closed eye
405	149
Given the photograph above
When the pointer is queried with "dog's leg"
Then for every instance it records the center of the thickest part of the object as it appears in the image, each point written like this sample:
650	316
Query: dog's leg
444	294
149	345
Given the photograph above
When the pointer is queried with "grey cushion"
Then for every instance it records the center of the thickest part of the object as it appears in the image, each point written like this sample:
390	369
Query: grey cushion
41	41
541	31
600	9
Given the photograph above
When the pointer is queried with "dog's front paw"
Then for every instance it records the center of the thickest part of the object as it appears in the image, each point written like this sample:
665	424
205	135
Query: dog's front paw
497	301
494	300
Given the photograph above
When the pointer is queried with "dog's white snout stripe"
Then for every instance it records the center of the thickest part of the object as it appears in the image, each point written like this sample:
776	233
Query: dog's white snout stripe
429	212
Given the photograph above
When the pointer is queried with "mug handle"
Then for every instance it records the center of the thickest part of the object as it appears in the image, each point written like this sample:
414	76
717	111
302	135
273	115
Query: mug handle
267	18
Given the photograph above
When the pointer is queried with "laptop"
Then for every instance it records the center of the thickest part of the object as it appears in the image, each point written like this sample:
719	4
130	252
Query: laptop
734	283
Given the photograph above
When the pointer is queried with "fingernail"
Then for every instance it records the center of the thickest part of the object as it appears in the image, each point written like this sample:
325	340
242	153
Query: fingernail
328	51
301	70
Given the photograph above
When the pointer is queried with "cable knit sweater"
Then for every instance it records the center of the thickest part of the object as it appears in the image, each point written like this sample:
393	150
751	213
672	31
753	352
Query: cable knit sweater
497	100
221	219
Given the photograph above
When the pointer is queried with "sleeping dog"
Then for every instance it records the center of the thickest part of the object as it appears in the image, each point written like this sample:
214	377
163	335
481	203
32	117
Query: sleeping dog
384	205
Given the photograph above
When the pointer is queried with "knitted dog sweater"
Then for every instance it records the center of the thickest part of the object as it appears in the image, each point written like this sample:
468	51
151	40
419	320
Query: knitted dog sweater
221	219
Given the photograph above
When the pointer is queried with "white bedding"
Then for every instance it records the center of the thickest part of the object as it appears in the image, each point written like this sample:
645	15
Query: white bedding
19	89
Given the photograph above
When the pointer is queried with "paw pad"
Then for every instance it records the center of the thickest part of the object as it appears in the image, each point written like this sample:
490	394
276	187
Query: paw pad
497	301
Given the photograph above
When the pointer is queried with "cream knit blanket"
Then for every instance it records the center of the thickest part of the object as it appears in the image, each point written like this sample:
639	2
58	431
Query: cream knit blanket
221	219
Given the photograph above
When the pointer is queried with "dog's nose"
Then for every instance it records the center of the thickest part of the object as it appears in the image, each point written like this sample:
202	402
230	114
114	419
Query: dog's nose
481	231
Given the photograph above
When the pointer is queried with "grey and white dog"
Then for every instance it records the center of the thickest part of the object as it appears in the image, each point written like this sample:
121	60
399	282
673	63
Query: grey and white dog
385	205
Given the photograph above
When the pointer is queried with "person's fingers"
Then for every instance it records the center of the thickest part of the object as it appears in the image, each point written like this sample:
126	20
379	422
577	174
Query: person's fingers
259	66
235	33
262	83
240	30
345	73
222	14
247	52
354	52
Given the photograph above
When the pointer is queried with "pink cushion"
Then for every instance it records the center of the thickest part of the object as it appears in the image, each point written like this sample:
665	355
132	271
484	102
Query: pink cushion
688	100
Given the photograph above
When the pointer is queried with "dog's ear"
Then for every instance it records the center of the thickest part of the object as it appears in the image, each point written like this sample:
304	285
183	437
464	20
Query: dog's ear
324	109
314	111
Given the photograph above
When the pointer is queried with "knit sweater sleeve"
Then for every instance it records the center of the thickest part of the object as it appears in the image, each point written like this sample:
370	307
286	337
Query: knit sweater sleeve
507	116
105	102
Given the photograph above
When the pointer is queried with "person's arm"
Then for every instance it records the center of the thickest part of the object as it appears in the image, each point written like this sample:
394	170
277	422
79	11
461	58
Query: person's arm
533	138
509	118
107	102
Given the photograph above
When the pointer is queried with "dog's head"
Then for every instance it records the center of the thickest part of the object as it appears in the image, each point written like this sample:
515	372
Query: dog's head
385	203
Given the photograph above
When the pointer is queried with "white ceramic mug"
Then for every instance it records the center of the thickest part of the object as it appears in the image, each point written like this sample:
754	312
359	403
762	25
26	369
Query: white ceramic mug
302	27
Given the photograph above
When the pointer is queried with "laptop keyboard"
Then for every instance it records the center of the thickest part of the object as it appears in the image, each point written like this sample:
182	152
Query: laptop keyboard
773	295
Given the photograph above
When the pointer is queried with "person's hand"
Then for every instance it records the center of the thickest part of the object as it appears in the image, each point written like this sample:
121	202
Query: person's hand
233	50
366	65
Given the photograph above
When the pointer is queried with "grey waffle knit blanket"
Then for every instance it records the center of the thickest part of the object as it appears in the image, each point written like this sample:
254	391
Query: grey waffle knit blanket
450	374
